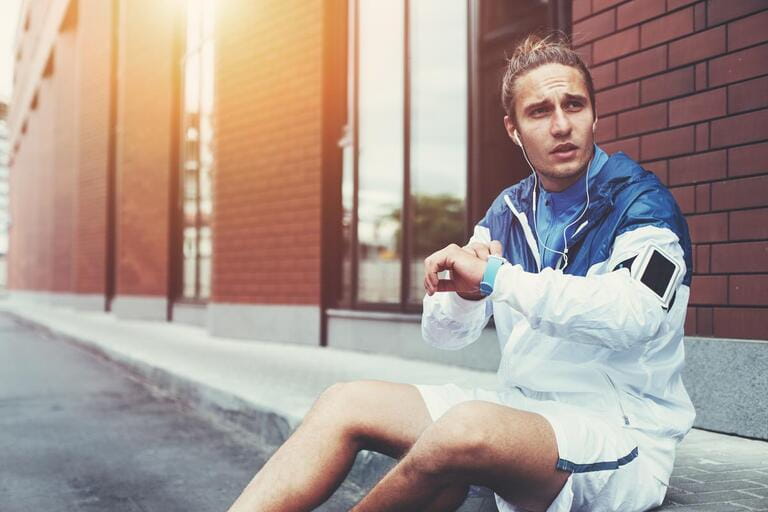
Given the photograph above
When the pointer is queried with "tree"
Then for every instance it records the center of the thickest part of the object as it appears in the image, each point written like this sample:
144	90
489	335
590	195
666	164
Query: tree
437	220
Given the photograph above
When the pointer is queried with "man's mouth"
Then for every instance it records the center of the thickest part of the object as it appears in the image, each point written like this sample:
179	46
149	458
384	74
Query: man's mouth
564	148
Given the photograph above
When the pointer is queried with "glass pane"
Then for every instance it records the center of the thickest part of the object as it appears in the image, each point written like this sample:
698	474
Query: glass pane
205	278
190	212
197	148
438	130
190	185
194	17
206	77
206	131
190	261
380	150
209	18
192	83
206	195
205	251
347	205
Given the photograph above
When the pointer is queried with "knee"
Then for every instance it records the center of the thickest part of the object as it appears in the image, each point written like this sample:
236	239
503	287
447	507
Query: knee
332	394
453	444
336	405
331	402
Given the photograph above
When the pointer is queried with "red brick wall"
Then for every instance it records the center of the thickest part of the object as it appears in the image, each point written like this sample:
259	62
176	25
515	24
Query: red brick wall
64	166
32	197
57	192
267	179
25	167
145	102
94	47
683	88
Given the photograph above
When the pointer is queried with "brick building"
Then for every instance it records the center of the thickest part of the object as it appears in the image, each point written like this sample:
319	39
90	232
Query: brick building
4	153
273	170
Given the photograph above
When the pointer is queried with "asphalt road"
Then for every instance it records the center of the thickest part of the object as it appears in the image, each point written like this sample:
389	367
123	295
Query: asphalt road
77	433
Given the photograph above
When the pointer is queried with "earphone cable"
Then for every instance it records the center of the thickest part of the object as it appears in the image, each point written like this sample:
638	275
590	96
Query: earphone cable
564	254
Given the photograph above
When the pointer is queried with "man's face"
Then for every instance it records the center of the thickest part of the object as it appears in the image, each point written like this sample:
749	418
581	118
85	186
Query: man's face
554	121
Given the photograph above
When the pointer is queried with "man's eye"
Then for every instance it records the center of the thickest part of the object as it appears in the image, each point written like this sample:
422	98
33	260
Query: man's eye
574	104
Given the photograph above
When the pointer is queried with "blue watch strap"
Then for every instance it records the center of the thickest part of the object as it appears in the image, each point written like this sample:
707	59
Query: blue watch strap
489	276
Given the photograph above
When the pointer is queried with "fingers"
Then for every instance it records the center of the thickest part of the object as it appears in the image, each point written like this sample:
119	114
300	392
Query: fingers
446	258
430	282
446	285
479	249
482	250
434	264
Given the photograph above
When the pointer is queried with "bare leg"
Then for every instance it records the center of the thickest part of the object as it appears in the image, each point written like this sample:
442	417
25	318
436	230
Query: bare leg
313	462
405	489
511	451
449	499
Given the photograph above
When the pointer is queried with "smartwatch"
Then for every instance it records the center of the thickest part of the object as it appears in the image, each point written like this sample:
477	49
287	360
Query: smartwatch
489	276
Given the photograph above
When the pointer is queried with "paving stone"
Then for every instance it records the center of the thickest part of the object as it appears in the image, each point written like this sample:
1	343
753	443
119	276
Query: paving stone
716	507
727	485
680	482
710	497
761	491
752	475
733	466
756	504
687	471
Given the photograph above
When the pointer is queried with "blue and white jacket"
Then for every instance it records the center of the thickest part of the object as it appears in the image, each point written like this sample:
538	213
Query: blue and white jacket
591	335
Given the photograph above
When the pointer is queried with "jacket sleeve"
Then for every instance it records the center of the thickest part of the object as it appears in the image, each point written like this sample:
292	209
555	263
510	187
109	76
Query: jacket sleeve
606	307
450	322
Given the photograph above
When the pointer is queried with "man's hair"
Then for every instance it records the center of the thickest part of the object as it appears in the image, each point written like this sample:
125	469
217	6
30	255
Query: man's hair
535	51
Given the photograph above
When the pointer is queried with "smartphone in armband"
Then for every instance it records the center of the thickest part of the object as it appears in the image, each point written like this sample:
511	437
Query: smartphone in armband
658	271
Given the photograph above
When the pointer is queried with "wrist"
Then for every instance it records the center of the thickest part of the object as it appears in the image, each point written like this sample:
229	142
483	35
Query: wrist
488	280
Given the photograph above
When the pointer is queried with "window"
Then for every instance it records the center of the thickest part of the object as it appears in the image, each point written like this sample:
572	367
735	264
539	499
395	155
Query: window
197	159
4	144
405	158
415	176
380	150
438	132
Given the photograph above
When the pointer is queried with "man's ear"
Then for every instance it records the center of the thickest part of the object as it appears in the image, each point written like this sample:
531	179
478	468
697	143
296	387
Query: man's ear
512	131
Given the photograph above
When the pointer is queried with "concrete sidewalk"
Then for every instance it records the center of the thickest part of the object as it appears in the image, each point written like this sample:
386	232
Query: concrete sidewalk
267	388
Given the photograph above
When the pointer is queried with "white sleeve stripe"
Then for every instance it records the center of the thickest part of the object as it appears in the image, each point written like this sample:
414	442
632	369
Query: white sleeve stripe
481	234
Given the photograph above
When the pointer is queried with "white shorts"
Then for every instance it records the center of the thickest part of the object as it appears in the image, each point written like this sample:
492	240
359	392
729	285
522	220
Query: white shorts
608	470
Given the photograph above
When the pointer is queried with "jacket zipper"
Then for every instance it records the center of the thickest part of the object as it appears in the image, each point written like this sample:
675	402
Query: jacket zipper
618	397
532	245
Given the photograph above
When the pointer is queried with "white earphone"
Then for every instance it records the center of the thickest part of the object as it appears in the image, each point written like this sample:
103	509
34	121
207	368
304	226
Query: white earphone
564	254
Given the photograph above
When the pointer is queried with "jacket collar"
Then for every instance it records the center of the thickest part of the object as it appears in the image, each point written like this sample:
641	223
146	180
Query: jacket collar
609	176
614	173
575	194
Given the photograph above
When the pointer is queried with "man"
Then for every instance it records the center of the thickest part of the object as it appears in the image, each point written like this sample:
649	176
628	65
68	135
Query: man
585	266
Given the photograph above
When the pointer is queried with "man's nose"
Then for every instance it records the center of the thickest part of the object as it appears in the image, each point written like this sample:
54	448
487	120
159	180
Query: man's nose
561	125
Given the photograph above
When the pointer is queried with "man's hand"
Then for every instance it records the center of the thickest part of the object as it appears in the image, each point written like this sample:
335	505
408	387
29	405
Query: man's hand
466	264
483	250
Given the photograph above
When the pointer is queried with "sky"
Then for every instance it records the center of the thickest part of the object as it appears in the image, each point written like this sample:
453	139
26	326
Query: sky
9	12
